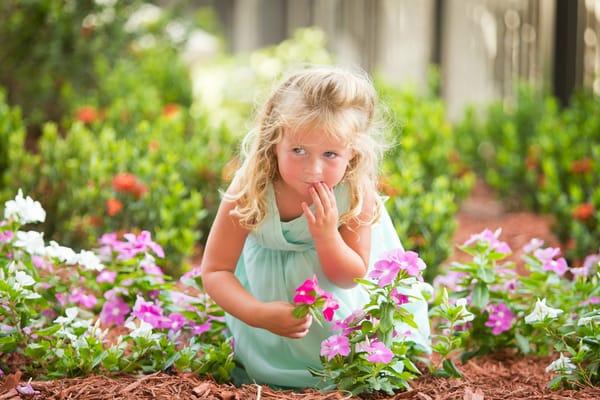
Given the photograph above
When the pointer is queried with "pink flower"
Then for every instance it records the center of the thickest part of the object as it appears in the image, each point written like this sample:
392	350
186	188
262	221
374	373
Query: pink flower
82	299
491	239
347	325
593	300
378	353
334	345
330	306
306	293
533	245
546	256
152	269
450	279
139	244
398	298
106	276
114	311
176	321
6	236
500	318
199	329
387	268
150	313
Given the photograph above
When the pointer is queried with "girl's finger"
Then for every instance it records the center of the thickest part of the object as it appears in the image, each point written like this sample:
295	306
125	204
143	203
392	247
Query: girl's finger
310	217
317	203
324	195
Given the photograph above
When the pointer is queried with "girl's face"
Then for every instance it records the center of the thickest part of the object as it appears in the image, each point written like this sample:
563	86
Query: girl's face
311	156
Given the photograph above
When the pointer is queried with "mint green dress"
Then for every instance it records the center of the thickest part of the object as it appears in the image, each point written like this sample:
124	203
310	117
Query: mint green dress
277	257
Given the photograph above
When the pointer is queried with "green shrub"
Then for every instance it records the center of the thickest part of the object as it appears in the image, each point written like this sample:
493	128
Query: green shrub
423	174
75	176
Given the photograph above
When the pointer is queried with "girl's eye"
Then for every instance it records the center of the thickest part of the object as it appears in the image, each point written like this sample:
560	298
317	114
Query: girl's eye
298	150
330	154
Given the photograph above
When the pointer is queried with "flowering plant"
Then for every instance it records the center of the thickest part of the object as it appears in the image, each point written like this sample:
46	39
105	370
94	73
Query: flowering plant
309	298
537	312
373	348
56	303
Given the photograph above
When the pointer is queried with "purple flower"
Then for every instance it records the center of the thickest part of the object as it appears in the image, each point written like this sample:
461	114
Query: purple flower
546	256
387	268
199	329
106	276
398	298
334	345
450	279
491	239
114	311
26	389
378	353
109	239
500	318
176	321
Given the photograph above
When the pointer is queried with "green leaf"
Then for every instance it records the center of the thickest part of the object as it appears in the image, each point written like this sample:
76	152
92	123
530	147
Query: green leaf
451	369
523	343
51	330
481	295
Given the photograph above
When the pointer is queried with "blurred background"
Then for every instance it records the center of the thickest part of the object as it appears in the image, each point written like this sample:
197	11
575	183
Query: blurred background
127	115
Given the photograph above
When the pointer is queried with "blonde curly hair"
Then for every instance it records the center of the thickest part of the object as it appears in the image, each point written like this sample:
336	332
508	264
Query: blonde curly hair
340	102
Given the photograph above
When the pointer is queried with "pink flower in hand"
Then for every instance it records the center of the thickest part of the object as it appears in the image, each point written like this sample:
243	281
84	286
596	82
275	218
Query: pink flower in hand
330	306
306	293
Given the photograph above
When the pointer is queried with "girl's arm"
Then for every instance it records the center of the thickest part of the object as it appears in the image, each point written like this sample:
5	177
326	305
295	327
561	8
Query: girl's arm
344	252
223	248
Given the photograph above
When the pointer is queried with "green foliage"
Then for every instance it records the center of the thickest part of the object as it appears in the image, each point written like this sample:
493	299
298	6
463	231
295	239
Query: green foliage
423	175
48	48
544	158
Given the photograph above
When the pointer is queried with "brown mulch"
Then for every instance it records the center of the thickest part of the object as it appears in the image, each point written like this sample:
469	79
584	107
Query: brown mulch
501	376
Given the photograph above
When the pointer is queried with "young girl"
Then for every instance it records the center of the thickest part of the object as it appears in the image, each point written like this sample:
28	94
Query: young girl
303	203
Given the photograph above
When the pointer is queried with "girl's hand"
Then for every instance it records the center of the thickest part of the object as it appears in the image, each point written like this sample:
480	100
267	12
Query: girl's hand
277	317
323	224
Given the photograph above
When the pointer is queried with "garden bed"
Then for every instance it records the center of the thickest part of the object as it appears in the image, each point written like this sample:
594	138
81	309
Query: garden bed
502	376
499	376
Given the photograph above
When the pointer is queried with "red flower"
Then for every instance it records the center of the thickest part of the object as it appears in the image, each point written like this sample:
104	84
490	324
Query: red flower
124	182
171	109
583	211
87	114
113	207
581	166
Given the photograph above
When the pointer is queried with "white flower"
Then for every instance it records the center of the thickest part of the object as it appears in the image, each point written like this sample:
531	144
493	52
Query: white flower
71	314
24	210
89	260
24	280
63	254
32	242
143	331
541	311
588	320
464	315
144	16
562	364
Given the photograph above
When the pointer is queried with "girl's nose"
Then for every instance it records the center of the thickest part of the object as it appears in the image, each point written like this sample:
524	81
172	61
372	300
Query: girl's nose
314	168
